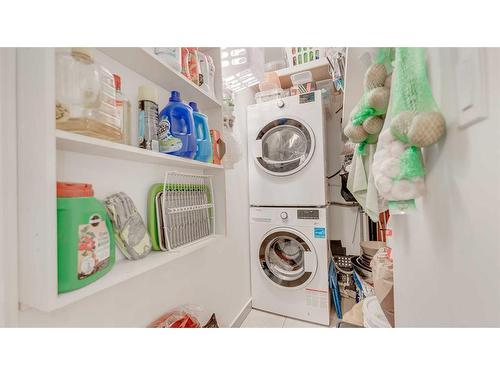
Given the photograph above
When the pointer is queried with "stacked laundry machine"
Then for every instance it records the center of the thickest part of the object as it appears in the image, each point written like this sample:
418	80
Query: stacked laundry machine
288	213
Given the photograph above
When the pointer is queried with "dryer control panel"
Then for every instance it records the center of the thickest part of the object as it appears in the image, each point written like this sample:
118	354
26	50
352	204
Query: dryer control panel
308	214
289	216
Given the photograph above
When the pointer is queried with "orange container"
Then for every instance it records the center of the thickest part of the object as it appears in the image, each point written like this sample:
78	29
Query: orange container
218	145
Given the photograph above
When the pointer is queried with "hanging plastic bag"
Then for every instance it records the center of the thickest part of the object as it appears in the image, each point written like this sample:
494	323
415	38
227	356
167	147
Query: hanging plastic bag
185	316
415	122
383	282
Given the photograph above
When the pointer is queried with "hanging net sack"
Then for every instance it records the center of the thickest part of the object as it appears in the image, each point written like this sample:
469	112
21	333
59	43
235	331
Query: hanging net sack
367	117
415	122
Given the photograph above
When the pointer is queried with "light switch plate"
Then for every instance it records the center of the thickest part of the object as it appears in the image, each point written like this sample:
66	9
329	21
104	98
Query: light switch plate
472	101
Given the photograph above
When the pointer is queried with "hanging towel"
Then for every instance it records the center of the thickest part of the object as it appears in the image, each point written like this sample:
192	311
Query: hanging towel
130	232
361	183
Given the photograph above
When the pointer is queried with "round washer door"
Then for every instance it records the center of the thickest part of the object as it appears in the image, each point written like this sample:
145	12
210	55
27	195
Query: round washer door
284	146
287	258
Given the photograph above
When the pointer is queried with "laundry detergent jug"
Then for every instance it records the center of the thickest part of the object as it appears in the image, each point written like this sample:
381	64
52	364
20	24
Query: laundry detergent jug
176	131
85	240
204	142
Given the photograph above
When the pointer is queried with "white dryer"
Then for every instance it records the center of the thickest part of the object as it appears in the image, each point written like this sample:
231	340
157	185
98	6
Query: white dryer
286	156
289	262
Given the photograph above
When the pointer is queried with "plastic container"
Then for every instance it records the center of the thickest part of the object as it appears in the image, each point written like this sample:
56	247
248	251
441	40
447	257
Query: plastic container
193	67
148	118
204	150
171	56
272	66
176	128
301	78
271	81
207	73
85	96
185	62
218	146
85	241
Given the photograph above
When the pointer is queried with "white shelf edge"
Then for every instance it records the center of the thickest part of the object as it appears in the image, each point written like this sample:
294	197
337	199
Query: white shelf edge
144	55
127	269
68	141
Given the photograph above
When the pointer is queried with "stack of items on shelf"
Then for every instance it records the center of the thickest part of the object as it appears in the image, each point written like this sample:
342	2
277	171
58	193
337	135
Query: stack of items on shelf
87	231
89	101
193	64
180	211
373	275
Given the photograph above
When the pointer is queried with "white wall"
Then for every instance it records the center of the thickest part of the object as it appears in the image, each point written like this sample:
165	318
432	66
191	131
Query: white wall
447	254
8	188
216	278
342	219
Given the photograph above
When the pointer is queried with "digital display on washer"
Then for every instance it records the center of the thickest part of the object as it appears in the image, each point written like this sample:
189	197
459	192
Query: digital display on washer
308	214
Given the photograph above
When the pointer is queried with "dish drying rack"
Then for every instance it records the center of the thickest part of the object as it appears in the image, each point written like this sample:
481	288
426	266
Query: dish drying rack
187	210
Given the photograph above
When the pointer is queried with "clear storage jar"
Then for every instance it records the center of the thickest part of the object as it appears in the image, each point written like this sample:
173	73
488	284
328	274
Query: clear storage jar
85	96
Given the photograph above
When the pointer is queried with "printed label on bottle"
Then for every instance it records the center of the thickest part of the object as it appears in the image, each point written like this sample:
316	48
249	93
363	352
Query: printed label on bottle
93	247
148	120
167	142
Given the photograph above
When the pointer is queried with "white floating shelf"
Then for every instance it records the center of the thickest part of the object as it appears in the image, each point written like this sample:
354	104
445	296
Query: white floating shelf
318	68
68	141
126	269
145	63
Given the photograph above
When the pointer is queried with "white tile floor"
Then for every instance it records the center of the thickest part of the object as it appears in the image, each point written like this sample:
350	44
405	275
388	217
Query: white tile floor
262	319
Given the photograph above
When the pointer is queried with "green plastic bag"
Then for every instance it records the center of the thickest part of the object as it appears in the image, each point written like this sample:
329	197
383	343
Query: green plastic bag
413	121
367	118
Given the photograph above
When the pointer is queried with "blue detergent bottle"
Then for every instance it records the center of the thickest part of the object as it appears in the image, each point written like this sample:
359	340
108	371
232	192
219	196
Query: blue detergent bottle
203	139
176	131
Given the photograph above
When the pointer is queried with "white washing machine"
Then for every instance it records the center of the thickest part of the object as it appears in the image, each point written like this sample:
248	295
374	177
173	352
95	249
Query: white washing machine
289	262
286	152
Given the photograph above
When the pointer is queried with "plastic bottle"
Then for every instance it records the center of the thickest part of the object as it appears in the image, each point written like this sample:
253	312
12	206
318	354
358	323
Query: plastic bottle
123	107
207	73
204	150
177	124
194	69
148	118
85	240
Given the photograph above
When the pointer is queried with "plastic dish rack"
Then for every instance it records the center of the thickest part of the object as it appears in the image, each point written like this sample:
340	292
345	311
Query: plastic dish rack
185	209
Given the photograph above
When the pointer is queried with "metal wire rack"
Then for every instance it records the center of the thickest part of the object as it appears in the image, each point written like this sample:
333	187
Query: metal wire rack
187	209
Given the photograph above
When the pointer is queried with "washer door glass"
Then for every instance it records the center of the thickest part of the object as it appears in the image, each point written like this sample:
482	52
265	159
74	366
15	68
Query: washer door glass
284	258
286	146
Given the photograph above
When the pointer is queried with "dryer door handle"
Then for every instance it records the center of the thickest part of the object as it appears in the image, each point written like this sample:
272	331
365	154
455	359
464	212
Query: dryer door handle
309	261
257	148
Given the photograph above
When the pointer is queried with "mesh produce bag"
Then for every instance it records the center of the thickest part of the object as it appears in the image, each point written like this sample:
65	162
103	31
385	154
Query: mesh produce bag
367	117
413	122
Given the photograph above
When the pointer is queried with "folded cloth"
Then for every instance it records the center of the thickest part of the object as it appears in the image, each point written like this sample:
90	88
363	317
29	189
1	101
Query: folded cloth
361	183
131	235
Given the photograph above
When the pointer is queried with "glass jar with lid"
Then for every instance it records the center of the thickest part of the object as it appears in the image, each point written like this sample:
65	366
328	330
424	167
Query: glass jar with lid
85	96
